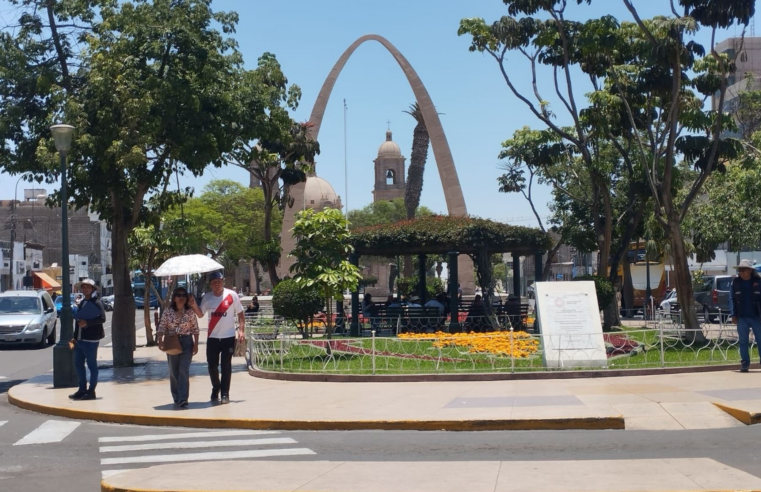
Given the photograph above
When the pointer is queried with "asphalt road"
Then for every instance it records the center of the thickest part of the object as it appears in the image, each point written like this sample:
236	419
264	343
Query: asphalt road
19	363
52	454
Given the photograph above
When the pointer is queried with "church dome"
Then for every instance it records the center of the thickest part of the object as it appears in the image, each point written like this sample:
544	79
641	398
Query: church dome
389	148
318	194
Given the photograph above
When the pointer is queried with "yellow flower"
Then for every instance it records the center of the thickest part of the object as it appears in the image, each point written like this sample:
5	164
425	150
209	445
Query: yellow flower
512	344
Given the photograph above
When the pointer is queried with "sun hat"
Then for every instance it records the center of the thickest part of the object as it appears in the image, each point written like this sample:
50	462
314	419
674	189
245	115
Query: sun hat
87	281
745	264
216	275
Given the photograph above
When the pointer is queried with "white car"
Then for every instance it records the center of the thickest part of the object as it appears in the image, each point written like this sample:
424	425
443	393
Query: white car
668	301
27	316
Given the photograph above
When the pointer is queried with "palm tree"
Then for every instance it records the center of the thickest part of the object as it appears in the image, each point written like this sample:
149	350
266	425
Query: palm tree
420	141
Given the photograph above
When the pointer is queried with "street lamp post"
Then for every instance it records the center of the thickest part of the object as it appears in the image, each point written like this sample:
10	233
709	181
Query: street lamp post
64	374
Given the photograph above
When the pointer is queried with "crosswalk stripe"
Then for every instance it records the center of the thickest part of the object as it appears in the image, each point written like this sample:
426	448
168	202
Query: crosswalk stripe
50	431
3	422
219	455
187	435
196	444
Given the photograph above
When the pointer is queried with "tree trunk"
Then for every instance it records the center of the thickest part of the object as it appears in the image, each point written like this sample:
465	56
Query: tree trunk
611	314
147	312
418	157
683	280
268	208
253	275
627	294
123	320
409	267
548	263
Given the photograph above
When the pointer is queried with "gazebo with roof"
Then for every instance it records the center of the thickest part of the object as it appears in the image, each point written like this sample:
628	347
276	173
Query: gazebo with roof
451	236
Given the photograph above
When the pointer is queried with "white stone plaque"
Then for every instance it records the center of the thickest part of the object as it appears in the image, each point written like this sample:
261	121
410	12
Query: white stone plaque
569	320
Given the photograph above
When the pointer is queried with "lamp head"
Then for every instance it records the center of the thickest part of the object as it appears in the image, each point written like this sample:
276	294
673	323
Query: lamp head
62	135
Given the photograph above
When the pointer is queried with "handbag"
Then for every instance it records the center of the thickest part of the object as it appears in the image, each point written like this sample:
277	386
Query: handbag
172	344
240	347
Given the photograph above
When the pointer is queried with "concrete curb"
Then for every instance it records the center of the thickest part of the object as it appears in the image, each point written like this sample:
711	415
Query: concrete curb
105	487
743	416
494	376
584	423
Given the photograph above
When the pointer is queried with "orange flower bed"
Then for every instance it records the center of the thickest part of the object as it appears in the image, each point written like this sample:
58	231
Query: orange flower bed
519	344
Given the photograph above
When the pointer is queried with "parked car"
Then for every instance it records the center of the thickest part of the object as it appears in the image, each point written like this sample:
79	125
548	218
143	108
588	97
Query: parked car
27	316
59	304
108	302
713	297
668	302
140	302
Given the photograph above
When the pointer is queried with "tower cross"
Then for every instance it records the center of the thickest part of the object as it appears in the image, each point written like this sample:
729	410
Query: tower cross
389	124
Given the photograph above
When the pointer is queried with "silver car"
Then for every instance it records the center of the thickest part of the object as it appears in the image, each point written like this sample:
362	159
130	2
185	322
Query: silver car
27	316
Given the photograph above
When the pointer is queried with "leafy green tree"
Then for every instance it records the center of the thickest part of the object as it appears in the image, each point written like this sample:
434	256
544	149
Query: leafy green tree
747	110
151	245
640	97
275	149
226	220
154	90
322	254
383	212
561	46
297	303
730	209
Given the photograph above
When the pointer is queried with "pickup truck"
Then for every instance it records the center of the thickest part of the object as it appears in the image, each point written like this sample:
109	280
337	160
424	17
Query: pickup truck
713	297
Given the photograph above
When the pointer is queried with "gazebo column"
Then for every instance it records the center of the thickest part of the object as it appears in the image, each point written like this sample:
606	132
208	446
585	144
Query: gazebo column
355	311
454	323
516	275
421	279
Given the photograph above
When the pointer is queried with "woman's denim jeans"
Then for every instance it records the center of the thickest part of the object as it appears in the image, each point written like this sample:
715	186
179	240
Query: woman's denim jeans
179	370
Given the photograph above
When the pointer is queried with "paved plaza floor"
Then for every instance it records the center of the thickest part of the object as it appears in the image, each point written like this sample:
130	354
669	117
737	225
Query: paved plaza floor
674	402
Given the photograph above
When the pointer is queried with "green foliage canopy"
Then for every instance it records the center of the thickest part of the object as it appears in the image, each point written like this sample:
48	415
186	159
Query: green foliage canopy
383	212
444	233
227	220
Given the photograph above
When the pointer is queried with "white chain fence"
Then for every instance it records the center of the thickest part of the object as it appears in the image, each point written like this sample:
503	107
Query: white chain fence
422	347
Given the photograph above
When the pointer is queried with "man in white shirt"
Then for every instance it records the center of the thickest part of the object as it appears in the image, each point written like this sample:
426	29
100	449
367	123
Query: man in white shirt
222	305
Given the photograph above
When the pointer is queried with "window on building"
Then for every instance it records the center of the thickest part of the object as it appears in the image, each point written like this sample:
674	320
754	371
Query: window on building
390	178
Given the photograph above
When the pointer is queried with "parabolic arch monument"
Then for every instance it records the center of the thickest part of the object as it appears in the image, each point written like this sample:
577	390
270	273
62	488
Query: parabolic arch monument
443	156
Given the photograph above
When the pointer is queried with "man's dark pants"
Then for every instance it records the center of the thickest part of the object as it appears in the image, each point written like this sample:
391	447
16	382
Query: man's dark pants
744	327
216	349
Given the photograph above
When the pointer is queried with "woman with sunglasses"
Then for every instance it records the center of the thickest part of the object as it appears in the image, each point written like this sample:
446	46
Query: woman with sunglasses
179	319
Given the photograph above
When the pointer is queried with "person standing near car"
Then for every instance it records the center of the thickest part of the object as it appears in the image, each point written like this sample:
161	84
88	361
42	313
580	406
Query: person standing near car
88	331
223	305
745	308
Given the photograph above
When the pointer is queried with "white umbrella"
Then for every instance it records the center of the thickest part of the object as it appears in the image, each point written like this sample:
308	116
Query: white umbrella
187	265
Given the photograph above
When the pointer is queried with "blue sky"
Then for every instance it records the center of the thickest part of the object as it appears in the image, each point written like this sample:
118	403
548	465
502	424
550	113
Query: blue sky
478	110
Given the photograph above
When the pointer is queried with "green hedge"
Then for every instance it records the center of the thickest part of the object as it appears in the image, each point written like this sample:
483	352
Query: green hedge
604	288
296	303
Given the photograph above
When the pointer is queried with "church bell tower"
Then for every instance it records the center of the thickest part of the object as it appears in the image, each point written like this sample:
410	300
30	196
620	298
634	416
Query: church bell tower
389	171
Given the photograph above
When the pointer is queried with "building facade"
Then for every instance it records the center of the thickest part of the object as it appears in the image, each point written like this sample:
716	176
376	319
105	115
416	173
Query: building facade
39	228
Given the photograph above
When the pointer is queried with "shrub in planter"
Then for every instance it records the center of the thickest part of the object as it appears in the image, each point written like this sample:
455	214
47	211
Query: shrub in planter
408	286
604	288
296	303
